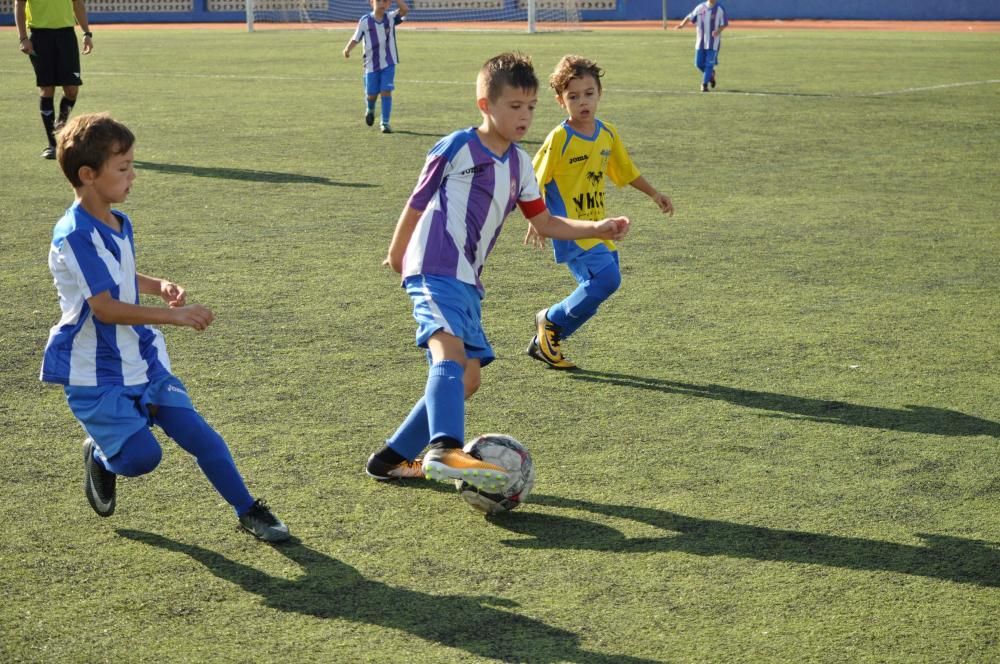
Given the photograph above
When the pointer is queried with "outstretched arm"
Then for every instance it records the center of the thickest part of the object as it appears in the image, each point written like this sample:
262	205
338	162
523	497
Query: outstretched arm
681	24
561	228
664	203
115	312
404	8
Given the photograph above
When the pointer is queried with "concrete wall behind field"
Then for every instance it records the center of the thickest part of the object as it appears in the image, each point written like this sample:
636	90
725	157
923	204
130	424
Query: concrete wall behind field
222	11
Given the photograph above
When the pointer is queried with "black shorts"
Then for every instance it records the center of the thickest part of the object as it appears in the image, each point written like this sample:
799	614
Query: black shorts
57	57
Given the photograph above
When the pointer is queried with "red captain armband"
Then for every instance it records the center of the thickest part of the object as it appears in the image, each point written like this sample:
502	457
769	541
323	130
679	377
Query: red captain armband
531	208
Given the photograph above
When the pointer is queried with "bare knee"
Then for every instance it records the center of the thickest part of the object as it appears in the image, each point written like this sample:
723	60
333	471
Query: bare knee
472	384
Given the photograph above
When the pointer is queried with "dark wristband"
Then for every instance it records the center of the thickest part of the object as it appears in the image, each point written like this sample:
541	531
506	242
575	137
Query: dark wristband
88	34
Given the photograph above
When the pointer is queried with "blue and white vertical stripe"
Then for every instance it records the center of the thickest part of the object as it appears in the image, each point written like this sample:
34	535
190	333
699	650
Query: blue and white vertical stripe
86	258
380	40
465	192
708	19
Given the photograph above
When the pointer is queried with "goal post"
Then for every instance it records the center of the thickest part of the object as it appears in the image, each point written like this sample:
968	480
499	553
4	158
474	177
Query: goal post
484	14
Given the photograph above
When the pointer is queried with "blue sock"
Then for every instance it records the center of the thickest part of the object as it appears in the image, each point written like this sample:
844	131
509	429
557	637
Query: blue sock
413	434
196	437
445	400
386	109
707	76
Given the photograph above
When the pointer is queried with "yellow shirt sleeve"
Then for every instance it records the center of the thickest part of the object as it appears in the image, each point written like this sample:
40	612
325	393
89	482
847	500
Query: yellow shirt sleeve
547	156
621	169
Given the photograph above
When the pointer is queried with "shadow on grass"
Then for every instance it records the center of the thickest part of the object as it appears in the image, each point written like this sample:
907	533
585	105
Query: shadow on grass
329	588
915	419
947	558
245	174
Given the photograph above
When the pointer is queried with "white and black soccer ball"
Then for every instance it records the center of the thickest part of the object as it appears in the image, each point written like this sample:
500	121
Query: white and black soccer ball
506	452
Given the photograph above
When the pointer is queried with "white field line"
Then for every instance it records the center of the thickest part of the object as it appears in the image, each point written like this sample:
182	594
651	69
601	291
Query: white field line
332	79
943	86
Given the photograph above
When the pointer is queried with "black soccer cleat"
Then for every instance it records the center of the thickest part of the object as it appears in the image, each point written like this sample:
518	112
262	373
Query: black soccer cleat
49	152
99	483
370	118
382	471
262	524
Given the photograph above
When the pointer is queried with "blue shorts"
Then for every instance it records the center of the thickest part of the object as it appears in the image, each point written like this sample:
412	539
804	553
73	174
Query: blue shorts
592	262
706	57
444	303
380	81
111	414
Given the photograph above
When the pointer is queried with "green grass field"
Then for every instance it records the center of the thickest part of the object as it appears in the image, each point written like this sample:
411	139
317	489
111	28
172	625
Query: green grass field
784	447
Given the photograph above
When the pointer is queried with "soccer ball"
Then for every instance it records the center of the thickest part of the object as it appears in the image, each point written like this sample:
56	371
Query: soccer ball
513	457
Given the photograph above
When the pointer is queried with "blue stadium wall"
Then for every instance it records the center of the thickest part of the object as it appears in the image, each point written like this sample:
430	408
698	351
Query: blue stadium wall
209	11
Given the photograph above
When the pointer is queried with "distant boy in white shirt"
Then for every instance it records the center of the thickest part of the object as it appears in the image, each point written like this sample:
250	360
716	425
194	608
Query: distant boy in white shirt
378	31
710	19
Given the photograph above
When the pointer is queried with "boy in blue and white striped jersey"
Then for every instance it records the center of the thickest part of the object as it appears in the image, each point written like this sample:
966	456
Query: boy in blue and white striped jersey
111	362
710	20
471	181
378	31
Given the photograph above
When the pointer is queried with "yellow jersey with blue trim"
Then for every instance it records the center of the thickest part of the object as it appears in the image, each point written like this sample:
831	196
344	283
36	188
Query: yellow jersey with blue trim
49	14
571	168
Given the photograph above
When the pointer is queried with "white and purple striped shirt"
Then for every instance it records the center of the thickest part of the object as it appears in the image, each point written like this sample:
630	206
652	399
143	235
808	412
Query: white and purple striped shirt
464	193
380	40
708	19
86	258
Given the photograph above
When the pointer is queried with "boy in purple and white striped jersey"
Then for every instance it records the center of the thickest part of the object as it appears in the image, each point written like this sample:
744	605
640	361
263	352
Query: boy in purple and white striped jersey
710	20
378	31
105	352
471	181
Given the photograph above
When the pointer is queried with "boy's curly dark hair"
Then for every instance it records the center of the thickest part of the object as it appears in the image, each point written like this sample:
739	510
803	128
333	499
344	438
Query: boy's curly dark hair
512	69
574	66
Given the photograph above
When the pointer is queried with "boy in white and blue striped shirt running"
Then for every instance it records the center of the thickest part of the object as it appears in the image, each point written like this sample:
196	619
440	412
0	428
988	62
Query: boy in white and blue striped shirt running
710	20
378	31
471	181
111	362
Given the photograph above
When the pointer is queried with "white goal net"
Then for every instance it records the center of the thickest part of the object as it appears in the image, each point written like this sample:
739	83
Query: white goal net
523	14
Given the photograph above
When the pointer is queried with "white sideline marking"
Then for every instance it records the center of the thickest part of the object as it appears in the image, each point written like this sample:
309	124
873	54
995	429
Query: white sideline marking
935	87
331	79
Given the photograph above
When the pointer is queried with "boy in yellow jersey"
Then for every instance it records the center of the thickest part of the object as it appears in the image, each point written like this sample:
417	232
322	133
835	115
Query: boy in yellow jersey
571	167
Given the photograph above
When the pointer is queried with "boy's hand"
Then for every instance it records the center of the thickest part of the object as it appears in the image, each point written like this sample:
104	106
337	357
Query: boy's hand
396	267
533	239
27	47
173	294
614	228
347	52
192	315
665	204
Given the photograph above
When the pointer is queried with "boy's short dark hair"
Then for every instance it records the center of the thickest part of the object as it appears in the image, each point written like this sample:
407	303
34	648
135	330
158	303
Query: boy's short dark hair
90	140
574	66
512	69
